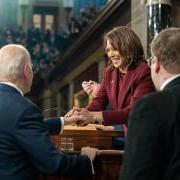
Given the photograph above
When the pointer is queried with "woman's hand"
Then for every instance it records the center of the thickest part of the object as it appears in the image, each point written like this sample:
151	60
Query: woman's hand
91	87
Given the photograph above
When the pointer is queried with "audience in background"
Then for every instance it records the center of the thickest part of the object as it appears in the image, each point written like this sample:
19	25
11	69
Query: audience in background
47	46
41	45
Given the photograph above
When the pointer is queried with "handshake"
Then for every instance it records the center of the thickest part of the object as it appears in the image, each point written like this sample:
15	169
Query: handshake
80	117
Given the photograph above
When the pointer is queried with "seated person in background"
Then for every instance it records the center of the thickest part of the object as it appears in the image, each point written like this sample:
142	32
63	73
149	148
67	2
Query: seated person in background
125	80
25	146
152	150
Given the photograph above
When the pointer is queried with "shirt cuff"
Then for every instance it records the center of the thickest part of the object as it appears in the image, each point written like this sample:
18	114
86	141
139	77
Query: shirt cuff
62	124
92	166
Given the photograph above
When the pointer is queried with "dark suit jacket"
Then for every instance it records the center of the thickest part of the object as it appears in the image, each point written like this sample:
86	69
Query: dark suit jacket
152	151
25	147
121	92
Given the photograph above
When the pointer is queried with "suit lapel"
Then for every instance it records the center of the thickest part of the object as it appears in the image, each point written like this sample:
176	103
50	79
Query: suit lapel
120	92
115	87
124	87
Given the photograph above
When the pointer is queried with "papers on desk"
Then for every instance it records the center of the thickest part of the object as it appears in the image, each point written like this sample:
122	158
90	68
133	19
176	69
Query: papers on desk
101	127
90	127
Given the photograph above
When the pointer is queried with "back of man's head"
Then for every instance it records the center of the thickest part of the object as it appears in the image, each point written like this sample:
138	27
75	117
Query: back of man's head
13	57
166	47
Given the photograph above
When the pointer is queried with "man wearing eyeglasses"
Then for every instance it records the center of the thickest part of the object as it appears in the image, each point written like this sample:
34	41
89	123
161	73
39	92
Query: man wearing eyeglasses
152	151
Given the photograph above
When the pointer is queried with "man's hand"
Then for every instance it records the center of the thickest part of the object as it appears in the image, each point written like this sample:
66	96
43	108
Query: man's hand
74	119
73	111
90	152
82	117
87	117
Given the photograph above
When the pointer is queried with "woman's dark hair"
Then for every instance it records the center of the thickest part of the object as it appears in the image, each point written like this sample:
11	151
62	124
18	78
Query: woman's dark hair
127	43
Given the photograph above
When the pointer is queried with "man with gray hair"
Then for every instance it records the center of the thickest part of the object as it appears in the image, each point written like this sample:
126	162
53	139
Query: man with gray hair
152	151
25	146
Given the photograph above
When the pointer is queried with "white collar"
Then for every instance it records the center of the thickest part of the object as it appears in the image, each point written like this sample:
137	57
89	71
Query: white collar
14	86
167	81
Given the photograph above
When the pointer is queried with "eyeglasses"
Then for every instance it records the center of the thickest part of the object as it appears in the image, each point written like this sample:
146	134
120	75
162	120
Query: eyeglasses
149	61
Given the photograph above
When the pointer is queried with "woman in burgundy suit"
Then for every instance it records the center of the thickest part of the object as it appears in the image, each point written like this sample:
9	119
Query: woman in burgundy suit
126	79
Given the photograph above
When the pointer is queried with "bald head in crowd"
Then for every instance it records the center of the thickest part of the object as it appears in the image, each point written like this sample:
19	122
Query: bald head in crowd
16	67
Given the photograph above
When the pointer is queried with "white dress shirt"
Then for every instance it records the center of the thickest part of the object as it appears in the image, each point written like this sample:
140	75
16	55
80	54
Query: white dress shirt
167	81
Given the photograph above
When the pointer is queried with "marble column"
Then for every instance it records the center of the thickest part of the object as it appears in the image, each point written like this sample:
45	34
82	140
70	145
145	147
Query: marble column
8	13
24	14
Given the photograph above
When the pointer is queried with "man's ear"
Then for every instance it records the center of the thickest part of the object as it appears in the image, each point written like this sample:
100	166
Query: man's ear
26	71
157	64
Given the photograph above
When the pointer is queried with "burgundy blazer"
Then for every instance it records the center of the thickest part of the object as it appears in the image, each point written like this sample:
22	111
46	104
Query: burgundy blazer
121	94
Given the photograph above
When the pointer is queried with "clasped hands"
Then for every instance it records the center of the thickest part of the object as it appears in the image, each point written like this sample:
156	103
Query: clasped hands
82	117
79	116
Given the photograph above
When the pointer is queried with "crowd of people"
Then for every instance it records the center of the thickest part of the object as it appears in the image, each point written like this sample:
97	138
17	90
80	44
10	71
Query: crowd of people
42	45
78	25
45	46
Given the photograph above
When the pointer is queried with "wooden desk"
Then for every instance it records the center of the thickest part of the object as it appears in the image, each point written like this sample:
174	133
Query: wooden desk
107	164
97	136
